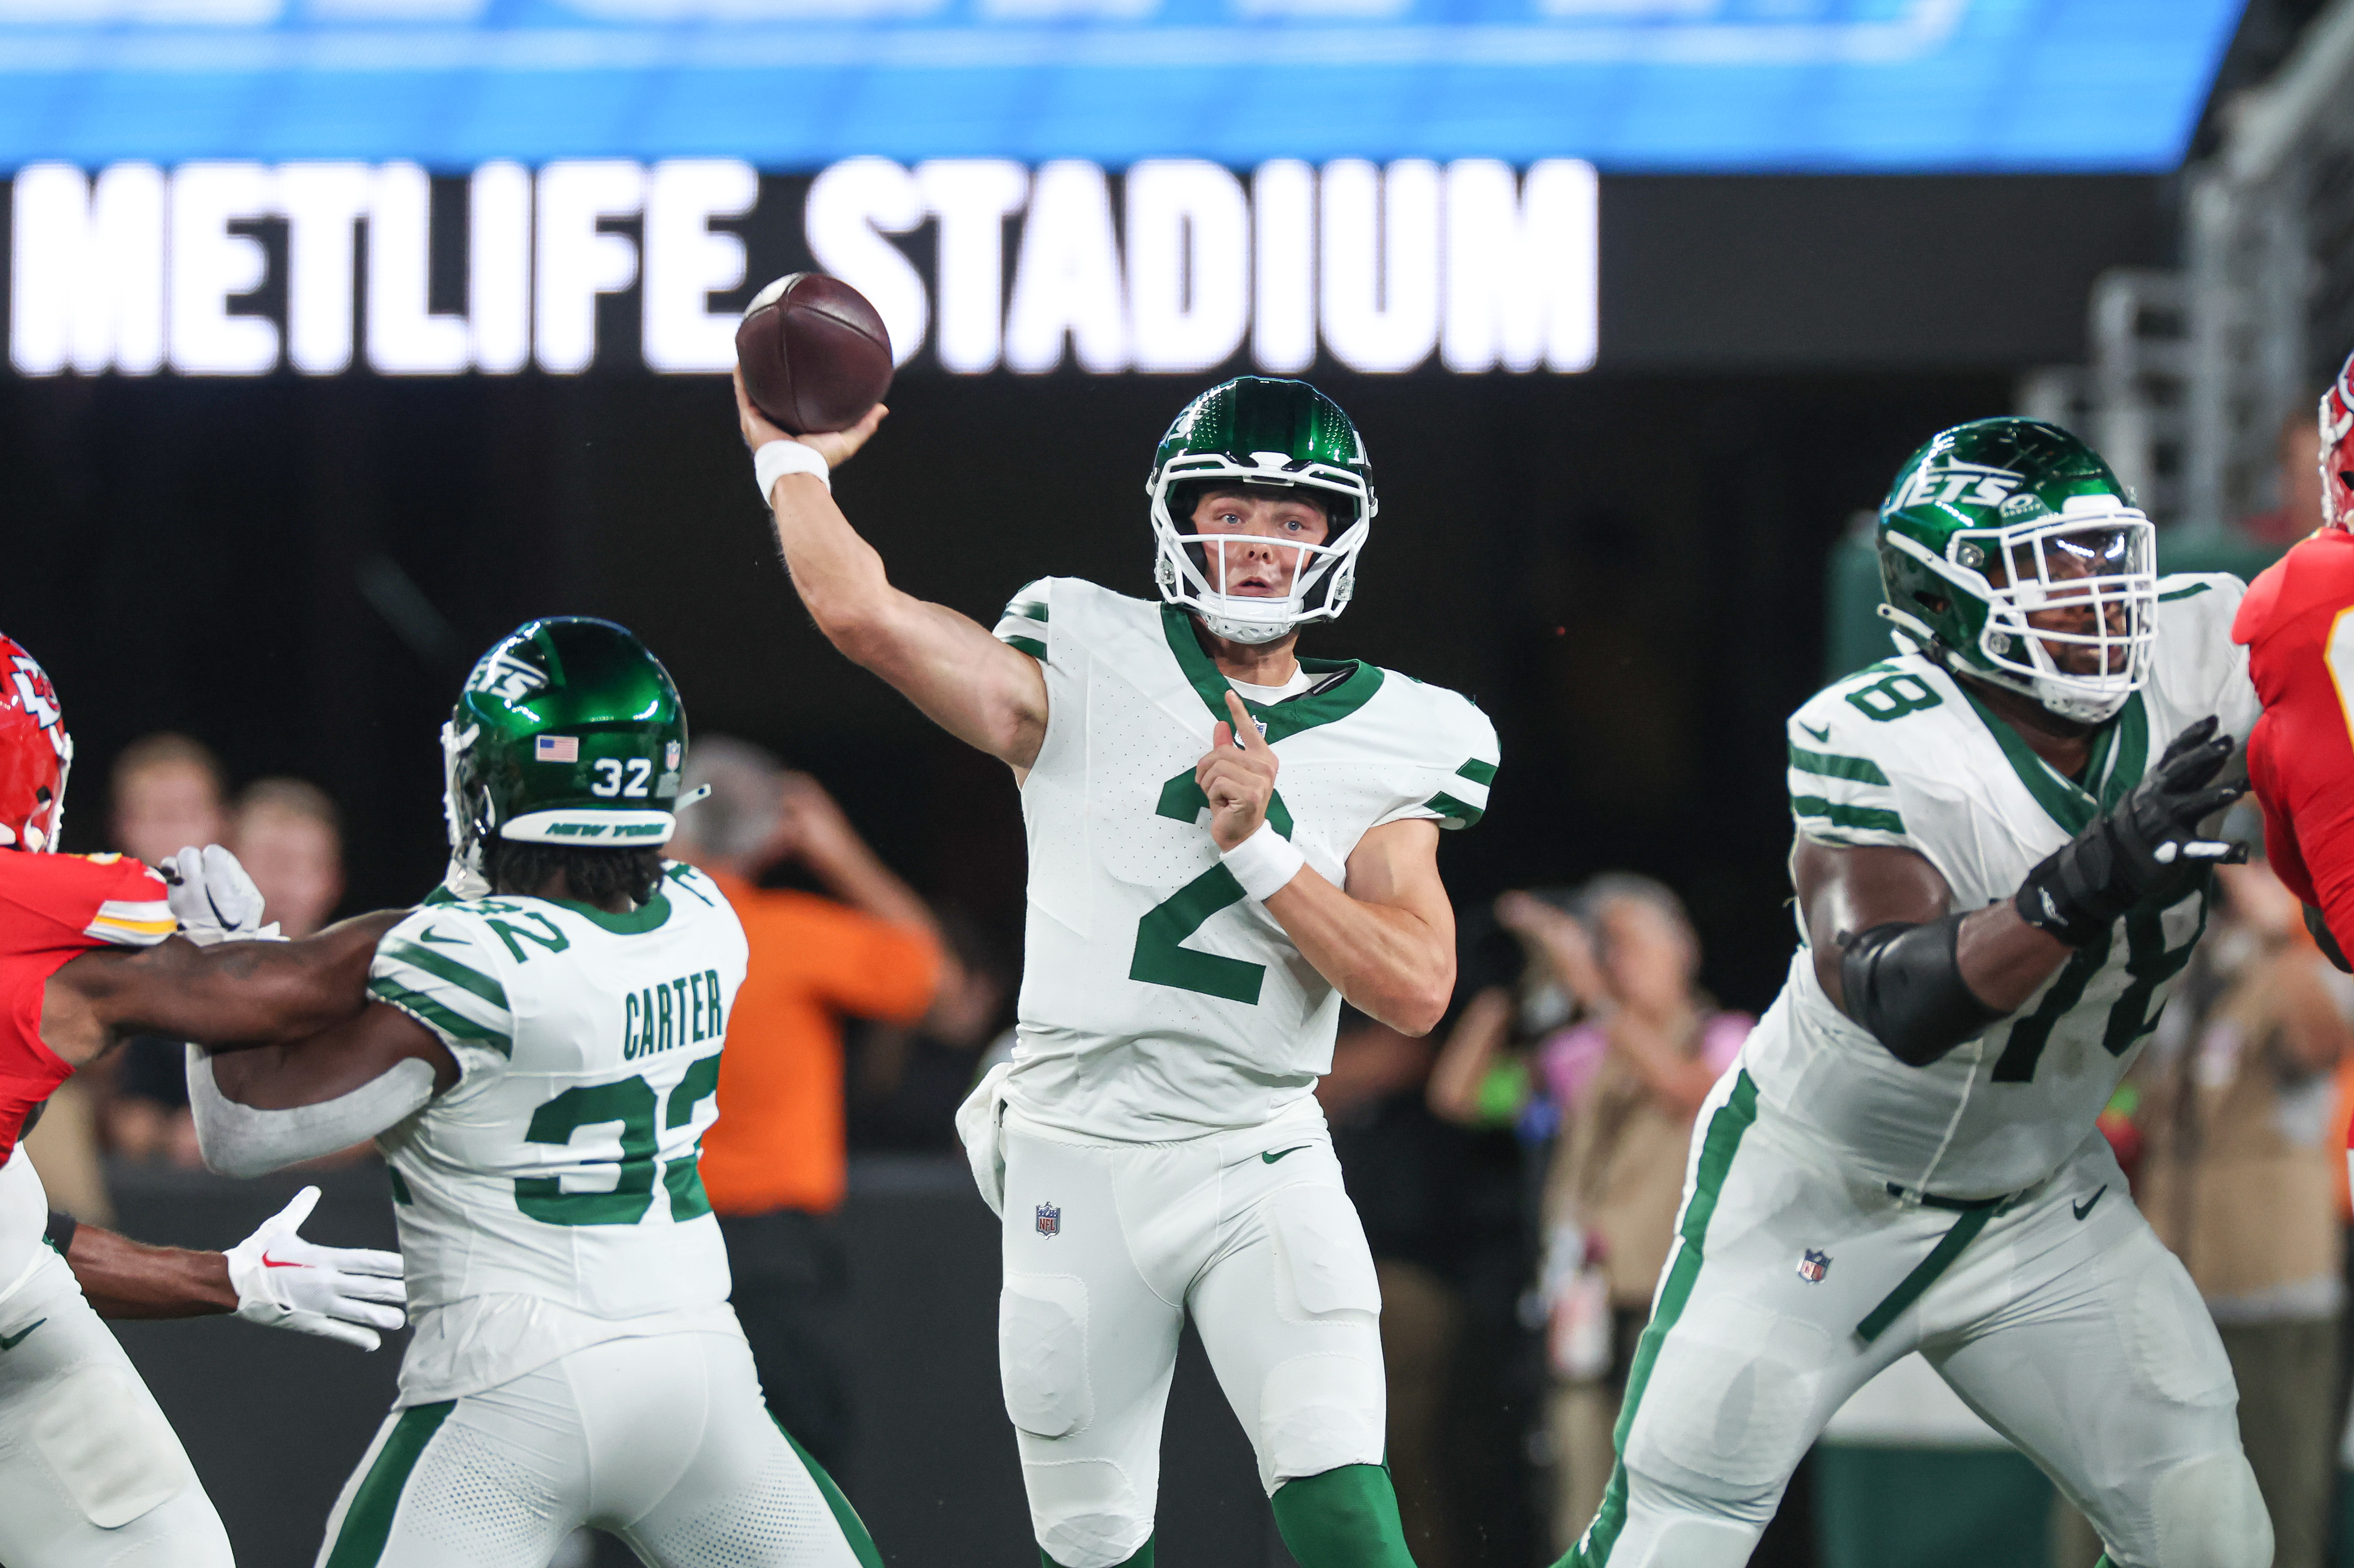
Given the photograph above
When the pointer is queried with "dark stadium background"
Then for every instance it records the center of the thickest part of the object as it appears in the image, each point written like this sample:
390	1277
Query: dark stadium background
1625	568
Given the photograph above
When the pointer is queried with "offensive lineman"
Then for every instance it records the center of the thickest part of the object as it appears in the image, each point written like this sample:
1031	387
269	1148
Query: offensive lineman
537	1066
90	952
1225	840
1999	871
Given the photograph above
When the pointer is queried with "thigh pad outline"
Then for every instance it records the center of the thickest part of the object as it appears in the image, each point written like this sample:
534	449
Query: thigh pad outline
101	1432
1327	1267
1731	1401
1042	1348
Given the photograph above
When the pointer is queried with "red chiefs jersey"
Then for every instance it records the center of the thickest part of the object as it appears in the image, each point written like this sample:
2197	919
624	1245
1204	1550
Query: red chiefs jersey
2300	640
54	908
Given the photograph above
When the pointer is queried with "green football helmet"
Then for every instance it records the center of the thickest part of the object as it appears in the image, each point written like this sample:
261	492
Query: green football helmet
2001	519
1255	431
568	732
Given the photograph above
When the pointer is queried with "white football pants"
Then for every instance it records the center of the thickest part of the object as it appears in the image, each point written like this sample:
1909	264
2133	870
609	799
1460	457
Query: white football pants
1108	1245
663	1440
2063	1321
91	1476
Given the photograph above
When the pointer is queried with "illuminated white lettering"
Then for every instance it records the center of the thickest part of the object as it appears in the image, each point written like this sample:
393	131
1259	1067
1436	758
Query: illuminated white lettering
86	270
578	261
851	205
210	265
1066	280
687	261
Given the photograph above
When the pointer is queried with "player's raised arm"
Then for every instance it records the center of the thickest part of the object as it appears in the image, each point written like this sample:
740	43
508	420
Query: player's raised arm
980	690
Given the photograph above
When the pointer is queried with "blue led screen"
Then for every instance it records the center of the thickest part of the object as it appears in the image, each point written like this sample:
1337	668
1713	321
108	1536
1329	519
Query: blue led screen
1633	85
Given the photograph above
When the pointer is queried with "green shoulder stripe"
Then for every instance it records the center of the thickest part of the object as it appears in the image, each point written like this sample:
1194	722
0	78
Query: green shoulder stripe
1842	816
1030	645
1862	769
1455	811
2185	592
448	969
1478	772
438	1018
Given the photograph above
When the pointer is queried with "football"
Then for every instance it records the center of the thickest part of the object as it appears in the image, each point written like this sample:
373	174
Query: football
814	354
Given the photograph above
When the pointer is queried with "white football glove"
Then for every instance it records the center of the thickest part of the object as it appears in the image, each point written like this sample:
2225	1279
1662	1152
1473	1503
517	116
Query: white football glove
213	899
337	1293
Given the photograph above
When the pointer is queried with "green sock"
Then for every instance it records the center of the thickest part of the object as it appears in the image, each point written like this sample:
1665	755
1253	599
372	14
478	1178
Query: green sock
1142	1559
1346	1518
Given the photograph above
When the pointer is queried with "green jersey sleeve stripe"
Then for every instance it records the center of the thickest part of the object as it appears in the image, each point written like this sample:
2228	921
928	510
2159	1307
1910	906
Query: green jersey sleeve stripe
447	968
1030	645
1861	768
2184	592
1028	609
440	1019
1843	816
1476	771
1456	810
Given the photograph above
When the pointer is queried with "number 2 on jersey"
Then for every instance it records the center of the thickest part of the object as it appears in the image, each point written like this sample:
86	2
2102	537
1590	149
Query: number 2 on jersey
629	1102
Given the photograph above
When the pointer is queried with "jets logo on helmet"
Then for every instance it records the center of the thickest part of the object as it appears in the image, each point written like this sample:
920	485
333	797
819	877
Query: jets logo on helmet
568	731
2338	450
36	753
1949	482
1999	521
1249	433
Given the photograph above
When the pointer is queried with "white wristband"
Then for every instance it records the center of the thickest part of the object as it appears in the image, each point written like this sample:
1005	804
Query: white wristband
1263	863
778	458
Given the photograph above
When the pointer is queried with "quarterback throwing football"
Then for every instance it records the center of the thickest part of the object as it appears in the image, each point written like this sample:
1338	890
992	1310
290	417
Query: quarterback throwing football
1225	840
2000	870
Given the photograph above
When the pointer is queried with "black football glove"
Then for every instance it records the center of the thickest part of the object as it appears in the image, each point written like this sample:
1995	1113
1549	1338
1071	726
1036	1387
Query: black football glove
2148	848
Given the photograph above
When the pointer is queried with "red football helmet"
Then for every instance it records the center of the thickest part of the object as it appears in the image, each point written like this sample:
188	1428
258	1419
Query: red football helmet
2338	450
36	752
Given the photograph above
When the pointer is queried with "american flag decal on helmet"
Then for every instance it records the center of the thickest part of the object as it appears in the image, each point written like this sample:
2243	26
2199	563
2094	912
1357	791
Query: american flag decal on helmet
1050	1220
555	748
1813	1265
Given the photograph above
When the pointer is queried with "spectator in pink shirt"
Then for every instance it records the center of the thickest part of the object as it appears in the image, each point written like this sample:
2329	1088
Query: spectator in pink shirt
1624	1078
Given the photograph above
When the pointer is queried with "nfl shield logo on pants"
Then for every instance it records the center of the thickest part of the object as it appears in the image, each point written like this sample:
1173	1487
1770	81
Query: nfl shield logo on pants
1050	1220
1814	1265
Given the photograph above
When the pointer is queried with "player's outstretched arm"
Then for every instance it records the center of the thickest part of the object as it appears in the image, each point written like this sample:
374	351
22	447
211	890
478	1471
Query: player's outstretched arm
1387	941
983	691
262	1109
226	995
273	1277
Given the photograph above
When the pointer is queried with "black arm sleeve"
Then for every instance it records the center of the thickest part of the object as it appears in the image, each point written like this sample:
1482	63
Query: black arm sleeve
1903	983
60	1232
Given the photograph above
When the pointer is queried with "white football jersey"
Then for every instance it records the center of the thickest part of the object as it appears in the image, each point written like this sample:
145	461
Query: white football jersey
1158	1001
549	1200
1901	755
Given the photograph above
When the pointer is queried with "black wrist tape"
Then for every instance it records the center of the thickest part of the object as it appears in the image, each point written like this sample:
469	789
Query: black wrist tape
1904	984
60	1232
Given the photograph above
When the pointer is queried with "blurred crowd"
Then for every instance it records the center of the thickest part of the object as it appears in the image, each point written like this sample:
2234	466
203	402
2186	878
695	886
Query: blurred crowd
1518	1171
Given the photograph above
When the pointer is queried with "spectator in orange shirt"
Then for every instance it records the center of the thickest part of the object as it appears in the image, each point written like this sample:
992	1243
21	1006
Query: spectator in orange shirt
774	1163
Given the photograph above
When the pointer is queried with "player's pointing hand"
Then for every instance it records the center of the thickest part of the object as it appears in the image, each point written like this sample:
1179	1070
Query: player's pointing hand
1237	776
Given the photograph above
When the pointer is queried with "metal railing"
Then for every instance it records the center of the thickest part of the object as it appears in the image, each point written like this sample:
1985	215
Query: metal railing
2193	372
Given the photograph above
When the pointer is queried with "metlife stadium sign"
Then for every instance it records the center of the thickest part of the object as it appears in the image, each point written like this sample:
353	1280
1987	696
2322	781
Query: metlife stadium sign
430	187
1631	85
235	267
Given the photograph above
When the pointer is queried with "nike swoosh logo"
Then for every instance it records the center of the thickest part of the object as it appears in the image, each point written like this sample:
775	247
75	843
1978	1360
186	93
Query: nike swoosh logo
2086	1206
433	934
1279	1153
270	1261
10	1341
1821	736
